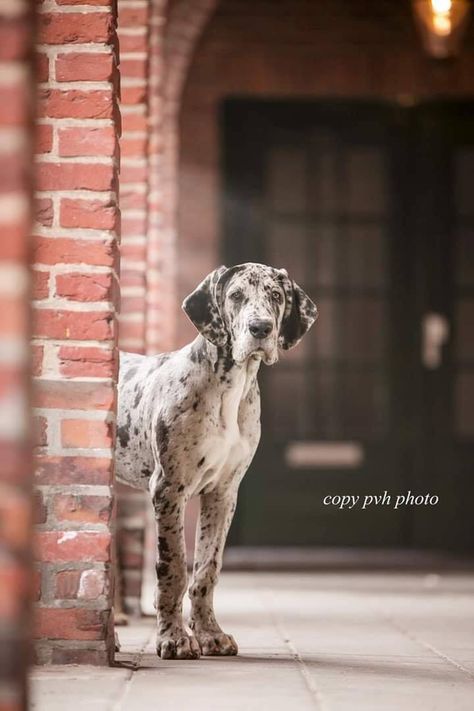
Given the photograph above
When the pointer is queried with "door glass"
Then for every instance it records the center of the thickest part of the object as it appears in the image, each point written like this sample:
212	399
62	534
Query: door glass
366	181
286	171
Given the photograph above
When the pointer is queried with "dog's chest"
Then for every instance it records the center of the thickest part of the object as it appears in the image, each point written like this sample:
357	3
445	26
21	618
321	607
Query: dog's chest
226	445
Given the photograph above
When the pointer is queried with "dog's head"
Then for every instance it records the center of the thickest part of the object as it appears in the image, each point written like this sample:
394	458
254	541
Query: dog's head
255	308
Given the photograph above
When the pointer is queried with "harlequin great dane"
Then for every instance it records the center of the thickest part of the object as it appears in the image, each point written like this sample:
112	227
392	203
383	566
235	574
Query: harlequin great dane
189	424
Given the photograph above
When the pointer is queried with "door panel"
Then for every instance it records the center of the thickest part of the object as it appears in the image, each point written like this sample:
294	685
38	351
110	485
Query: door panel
368	207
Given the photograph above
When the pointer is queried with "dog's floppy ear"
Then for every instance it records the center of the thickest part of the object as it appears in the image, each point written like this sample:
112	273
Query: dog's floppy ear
202	308
299	316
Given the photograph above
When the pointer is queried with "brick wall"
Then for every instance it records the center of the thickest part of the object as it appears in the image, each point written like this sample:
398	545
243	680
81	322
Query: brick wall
75	300
16	581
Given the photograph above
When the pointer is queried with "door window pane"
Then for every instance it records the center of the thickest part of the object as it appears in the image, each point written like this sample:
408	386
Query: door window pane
362	328
364	404
322	267
464	180
465	329
464	404
464	264
366	181
364	256
287	396
286	178
321	340
286	243
324	187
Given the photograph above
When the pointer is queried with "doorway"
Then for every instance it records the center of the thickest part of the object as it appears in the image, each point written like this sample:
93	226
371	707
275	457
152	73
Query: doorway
369	206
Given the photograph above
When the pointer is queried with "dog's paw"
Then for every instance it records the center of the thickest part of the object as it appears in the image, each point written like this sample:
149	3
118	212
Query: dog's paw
182	646
216	644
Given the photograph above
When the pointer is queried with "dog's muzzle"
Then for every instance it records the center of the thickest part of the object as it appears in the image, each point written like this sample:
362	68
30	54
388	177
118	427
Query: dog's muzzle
260	328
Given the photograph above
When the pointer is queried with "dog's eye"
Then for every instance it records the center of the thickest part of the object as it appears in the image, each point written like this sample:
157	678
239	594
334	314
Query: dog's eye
236	295
276	296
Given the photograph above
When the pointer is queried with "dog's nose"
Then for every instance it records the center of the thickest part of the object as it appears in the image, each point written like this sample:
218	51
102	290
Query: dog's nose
260	328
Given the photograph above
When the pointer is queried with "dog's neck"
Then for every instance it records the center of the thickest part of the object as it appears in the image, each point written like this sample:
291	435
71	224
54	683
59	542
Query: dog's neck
227	372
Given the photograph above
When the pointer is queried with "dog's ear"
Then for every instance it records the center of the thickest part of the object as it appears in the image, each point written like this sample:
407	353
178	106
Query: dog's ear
202	308
299	316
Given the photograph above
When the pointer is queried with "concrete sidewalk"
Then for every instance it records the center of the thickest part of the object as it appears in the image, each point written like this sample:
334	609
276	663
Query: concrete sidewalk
332	642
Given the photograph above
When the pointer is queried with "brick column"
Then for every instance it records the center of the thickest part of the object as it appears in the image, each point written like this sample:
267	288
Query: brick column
75	299
16	32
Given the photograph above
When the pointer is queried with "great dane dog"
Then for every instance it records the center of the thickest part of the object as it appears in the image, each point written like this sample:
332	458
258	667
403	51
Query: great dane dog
189	424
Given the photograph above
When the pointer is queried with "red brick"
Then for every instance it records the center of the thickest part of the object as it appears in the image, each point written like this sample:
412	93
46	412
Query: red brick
133	304
134	122
40	431
86	433
44	211
72	394
88	325
105	3
42	67
40	512
73	470
133	68
60	546
43	138
80	584
133	147
84	287
84	66
132	277
90	362
132	329
87	141
78	624
36	359
75	28
14	100
133	17
75	176
74	103
40	286
131	95
82	509
133	226
36	585
133	43
74	251
93	214
133	173
132	199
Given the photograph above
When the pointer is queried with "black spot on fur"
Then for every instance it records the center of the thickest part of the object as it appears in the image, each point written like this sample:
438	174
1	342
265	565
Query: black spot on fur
146	471
195	404
163	549
135	430
138	397
181	487
197	354
162	570
123	433
201	462
129	374
162	436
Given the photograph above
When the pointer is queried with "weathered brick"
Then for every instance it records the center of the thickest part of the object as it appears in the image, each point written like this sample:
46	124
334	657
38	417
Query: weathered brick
75	28
36	359
40	512
92	214
80	584
133	147
75	251
61	546
134	16
84	66
44	211
73	394
87	141
86	434
82	509
75	623
91	362
88	325
40	284
71	176
40	431
73	470
131	95
134	68
75	103
43	138
42	66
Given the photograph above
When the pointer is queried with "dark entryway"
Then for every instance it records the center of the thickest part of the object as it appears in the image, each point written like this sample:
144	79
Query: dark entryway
370	208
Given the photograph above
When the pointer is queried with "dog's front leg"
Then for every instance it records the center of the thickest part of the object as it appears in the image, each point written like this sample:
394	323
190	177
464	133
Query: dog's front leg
217	510
173	640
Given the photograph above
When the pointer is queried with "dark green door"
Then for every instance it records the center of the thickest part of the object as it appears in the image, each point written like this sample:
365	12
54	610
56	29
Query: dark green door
365	206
